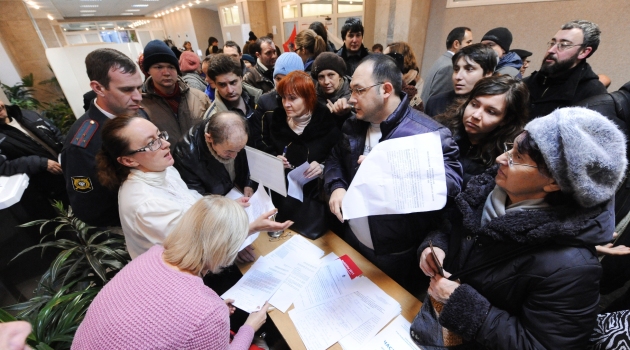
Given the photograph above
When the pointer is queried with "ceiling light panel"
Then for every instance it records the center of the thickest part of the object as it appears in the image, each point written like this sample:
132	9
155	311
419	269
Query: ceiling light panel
88	6
140	5
132	10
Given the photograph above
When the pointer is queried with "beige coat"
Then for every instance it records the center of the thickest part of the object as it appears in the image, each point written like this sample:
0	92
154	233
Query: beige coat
192	107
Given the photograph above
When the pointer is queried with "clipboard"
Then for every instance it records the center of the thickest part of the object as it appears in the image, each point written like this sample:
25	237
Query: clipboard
267	170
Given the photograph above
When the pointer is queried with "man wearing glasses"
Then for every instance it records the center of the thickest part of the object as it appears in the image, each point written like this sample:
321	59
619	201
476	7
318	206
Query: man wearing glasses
565	78
382	113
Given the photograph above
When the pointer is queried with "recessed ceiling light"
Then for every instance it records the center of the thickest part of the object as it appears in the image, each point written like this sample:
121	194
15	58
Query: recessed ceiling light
151	0
87	14
127	14
90	0
140	5
50	17
84	6
132	10
87	11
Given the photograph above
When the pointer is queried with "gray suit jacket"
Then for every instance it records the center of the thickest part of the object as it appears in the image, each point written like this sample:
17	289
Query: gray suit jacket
440	77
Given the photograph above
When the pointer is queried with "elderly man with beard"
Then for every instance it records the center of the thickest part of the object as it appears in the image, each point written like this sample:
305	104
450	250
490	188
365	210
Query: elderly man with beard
565	78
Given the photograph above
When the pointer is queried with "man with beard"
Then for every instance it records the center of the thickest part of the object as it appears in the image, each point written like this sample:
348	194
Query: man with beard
261	75
565	78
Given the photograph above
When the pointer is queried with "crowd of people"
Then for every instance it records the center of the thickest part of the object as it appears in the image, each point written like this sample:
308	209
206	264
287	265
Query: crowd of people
535	171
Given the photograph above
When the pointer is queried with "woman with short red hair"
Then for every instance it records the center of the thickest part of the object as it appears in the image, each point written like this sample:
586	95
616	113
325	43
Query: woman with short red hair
302	130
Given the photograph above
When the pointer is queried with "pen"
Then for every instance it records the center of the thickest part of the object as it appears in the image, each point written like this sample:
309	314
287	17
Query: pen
284	153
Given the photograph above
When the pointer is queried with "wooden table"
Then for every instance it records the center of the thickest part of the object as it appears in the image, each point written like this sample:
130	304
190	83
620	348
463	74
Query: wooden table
330	242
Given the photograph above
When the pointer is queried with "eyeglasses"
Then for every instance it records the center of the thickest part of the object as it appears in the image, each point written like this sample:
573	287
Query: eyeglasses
507	147
561	45
153	145
361	91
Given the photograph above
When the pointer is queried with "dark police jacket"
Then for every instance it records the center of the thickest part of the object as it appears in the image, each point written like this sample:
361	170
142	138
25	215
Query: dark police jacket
392	233
204	173
91	202
544	292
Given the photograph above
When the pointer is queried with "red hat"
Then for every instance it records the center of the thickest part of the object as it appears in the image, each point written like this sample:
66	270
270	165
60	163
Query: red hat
189	62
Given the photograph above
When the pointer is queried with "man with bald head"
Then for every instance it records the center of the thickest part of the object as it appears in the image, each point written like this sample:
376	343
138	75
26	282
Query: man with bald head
211	158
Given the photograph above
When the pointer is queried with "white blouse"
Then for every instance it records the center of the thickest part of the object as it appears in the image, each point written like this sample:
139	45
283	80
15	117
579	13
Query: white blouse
150	204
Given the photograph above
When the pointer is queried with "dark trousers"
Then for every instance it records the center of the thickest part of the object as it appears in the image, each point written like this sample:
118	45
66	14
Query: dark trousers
402	267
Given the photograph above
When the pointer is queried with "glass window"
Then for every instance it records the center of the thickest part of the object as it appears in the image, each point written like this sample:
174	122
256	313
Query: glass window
318	8
289	11
231	15
345	6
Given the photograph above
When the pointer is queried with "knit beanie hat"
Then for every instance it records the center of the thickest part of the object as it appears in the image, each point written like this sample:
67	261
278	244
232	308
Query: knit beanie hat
585	152
287	63
501	36
328	60
189	62
249	58
157	51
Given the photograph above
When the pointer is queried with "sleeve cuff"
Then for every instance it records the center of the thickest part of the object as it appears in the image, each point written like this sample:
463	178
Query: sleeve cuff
465	312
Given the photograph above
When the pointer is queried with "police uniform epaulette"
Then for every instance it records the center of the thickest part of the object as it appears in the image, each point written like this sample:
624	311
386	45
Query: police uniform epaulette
84	134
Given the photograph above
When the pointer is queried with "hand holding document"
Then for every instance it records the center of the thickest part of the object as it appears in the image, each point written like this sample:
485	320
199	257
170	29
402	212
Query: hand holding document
399	176
297	180
259	204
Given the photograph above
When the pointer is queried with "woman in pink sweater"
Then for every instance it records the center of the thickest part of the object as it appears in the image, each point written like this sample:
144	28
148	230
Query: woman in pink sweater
159	300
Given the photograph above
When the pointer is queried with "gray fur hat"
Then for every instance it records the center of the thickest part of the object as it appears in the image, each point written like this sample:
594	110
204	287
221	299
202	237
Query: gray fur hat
585	152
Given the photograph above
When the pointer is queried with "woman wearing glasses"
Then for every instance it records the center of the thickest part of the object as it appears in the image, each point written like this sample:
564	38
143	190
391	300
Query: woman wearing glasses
525	274
494	113
152	198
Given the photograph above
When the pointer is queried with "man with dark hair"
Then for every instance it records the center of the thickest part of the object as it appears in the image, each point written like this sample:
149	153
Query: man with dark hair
352	50
500	39
233	50
261	75
470	64
171	105
211	158
117	83
377	48
440	76
383	113
565	78
233	94
524	55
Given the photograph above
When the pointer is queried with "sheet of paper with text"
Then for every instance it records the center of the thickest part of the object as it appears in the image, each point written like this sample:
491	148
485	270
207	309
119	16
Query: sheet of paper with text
399	176
266	169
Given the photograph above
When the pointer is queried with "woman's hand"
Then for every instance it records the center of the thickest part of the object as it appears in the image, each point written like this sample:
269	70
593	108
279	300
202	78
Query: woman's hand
231	307
246	255
608	249
427	264
263	223
243	201
336	198
441	288
285	162
258	318
314	169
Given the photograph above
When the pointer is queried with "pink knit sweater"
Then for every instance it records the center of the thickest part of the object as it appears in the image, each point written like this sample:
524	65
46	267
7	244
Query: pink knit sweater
151	306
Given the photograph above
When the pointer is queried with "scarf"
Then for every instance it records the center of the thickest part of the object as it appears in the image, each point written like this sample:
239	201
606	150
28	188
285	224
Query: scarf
173	99
495	205
298	124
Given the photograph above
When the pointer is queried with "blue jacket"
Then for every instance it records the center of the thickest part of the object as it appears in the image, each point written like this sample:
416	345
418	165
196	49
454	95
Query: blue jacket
392	233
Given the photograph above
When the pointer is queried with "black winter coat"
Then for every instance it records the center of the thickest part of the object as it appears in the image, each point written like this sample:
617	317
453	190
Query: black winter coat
546	94
204	173
392	233
543	298
267	103
352	61
437	104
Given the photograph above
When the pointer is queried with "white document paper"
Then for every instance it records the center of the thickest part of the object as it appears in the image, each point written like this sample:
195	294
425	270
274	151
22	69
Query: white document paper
384	309
298	245
234	194
297	180
259	203
258	285
331	281
266	169
325	324
399	176
290	288
394	336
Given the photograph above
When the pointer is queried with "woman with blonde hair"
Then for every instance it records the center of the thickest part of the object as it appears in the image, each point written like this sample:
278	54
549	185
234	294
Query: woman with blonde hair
164	288
309	45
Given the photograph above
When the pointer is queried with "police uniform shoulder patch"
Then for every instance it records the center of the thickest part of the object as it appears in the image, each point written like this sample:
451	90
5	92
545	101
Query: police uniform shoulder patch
82	184
84	134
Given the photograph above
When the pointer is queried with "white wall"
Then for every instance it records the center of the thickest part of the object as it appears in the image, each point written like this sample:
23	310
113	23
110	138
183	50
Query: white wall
179	28
8	74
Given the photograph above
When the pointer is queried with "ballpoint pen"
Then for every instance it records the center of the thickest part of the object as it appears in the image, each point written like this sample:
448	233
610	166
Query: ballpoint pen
284	153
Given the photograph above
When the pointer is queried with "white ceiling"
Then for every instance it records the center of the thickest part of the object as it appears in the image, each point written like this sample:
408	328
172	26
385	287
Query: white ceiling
63	9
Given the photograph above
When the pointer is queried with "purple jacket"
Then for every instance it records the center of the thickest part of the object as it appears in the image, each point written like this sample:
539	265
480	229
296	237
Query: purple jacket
393	233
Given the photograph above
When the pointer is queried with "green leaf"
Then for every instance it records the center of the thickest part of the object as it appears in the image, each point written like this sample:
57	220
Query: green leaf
96	266
59	262
6	317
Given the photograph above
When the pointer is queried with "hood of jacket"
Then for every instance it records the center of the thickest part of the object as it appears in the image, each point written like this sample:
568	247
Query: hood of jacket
510	59
567	224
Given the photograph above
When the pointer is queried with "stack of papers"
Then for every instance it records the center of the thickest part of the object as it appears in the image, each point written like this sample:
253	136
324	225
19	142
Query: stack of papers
332	301
259	203
394	336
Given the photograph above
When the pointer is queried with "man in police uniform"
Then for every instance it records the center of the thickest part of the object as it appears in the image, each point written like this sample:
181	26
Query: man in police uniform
116	81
